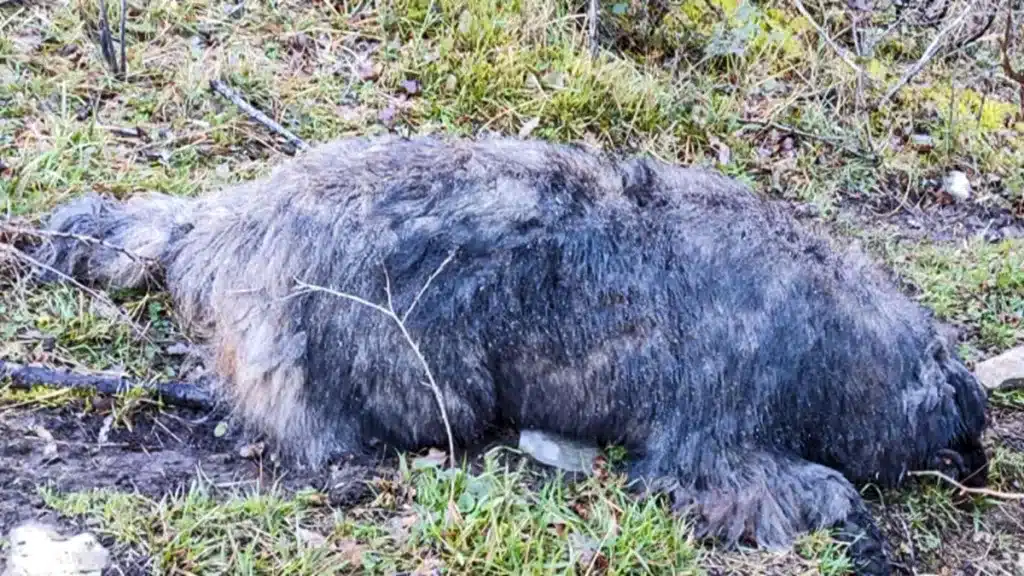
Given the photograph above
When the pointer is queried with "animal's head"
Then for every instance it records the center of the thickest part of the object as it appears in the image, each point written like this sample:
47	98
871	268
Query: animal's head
959	419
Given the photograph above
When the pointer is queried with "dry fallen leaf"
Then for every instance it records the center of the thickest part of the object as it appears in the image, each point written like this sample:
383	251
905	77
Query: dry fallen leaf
433	459
410	86
350	551
310	538
367	70
529	126
251	450
452	514
50	449
429	567
399	526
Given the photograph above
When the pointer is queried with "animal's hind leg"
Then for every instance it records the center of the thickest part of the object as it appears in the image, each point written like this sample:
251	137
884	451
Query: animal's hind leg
770	499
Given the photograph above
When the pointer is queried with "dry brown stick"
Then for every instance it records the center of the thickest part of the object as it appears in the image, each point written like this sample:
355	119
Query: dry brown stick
828	40
225	91
929	53
968	490
869	156
592	27
174	393
119	69
1014	75
124	59
390	312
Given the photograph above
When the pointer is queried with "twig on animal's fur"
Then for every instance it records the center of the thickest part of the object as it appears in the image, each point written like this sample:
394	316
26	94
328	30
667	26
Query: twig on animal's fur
400	322
79	237
174	393
828	40
929	53
1014	75
592	27
451	256
139	332
967	489
225	91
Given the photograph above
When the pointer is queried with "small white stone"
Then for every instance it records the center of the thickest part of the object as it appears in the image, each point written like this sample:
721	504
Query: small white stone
558	451
1003	371
37	550
957	185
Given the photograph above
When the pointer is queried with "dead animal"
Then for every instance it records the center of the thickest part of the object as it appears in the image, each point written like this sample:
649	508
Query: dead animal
749	366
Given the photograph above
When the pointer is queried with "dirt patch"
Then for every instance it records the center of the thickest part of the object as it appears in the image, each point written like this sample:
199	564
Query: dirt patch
162	453
930	219
165	451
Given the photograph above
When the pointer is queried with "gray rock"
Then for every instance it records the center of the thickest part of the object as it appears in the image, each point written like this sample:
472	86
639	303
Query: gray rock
558	451
1002	372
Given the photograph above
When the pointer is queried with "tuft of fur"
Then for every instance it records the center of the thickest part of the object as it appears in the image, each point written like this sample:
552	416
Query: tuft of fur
748	365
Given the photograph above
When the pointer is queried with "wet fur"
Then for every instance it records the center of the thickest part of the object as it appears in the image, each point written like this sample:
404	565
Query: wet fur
752	368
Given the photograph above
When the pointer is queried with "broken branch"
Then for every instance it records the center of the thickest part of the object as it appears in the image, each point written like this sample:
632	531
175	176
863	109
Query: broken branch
967	490
1014	75
592	27
107	43
828	40
174	393
389	311
138	331
223	89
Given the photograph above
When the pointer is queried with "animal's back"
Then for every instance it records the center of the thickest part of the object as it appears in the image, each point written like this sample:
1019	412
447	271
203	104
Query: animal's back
623	289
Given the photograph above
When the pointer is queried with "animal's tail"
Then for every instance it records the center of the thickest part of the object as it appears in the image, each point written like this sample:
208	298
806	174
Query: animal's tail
117	244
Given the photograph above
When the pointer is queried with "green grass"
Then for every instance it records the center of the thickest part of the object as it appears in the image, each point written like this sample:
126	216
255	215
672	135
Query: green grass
979	285
492	522
682	85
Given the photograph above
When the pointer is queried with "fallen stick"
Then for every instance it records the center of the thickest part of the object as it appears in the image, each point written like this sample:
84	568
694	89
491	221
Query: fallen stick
968	490
175	393
223	89
830	140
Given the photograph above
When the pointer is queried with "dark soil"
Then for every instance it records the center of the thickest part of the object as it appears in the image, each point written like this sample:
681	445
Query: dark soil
935	219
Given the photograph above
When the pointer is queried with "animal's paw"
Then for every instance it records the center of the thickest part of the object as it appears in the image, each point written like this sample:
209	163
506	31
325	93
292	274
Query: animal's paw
866	545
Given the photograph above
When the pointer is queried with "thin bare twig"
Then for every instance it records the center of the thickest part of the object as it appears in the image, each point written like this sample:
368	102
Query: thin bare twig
869	156
592	27
855	32
174	393
119	69
139	332
451	255
1014	75
828	40
967	490
79	237
124	58
225	91
925	58
389	311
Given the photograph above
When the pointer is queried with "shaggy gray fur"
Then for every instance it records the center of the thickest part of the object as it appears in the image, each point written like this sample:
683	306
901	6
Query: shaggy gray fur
748	366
